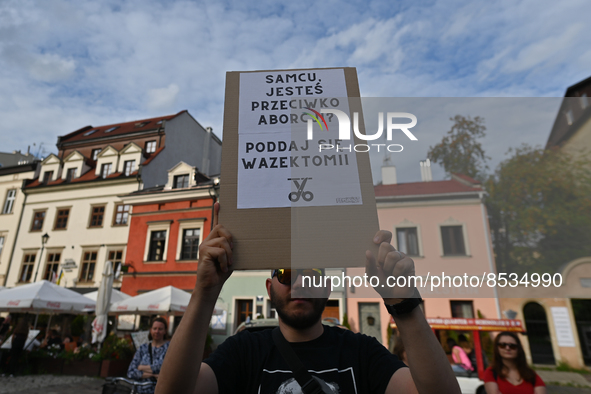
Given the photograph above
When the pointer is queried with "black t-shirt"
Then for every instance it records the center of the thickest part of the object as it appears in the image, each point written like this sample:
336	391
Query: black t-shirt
345	361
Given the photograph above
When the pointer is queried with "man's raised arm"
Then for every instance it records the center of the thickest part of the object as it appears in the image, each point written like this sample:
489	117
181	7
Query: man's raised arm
182	369
430	370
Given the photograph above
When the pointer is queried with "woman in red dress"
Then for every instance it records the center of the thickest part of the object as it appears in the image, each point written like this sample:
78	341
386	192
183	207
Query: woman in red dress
509	373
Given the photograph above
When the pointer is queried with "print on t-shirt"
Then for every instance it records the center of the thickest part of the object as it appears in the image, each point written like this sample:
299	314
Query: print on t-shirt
328	381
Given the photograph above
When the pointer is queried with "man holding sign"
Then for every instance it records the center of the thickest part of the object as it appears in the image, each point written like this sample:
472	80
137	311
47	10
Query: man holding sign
339	361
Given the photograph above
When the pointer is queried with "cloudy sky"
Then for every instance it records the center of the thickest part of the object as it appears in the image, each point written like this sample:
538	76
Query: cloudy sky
68	64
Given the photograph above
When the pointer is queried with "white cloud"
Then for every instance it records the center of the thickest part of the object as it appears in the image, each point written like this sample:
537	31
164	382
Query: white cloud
163	98
51	68
74	63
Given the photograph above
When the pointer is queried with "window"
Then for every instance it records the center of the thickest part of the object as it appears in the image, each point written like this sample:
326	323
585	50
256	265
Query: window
150	146
52	266
271	312
38	219
115	257
61	219
96	216
157	244
106	169
129	167
584	101
244	310
88	264
71	174
95	153
453	241
408	242
462	309
111	129
180	181
569	117
1	244
190	244
9	202
27	268
141	124
47	175
121	215
90	132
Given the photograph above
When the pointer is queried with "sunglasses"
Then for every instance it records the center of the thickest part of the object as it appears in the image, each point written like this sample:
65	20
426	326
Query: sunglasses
505	345
284	275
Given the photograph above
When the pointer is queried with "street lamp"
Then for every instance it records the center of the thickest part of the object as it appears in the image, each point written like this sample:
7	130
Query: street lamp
44	239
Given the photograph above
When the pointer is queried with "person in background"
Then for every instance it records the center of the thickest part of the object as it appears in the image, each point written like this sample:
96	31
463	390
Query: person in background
461	360
52	339
510	373
19	338
5	327
148	359
467	346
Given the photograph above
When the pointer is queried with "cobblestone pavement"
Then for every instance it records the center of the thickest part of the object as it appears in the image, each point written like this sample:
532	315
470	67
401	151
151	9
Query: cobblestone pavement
567	390
50	384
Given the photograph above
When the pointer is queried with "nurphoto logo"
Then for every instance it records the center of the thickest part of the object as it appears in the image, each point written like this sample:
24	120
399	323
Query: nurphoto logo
345	130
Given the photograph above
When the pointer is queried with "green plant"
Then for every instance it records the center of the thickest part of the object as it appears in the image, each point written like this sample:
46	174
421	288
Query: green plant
389	334
53	351
83	352
346	321
115	348
77	326
565	367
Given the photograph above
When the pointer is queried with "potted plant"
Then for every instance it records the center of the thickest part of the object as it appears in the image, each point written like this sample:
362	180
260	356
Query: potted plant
116	354
47	360
84	361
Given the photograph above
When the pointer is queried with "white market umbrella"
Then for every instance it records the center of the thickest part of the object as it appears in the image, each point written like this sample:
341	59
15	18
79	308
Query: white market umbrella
103	302
161	301
116	296
43	297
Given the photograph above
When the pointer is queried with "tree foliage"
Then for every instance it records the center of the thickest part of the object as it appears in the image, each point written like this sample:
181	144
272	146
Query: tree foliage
460	151
540	210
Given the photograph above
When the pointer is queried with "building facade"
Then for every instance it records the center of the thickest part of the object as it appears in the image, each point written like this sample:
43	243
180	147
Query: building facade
168	223
443	227
12	178
74	219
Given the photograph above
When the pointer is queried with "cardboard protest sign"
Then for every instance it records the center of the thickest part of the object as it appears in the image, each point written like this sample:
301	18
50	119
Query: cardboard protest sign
286	197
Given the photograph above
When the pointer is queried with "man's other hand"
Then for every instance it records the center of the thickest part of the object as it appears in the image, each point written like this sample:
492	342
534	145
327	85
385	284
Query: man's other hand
392	267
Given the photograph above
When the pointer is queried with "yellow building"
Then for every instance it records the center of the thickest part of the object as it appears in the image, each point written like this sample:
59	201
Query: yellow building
12	175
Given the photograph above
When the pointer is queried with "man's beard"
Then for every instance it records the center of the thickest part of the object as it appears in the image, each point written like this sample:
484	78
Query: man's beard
300	321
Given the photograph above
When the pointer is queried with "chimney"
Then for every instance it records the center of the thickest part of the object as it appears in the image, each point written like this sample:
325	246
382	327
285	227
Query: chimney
426	175
389	175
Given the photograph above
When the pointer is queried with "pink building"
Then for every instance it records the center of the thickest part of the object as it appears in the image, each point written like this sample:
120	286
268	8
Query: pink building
443	226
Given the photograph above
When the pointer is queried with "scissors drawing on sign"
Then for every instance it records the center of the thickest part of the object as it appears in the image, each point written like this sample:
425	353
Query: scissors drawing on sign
306	195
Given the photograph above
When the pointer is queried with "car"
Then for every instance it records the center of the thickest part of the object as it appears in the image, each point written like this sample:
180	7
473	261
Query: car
470	383
256	325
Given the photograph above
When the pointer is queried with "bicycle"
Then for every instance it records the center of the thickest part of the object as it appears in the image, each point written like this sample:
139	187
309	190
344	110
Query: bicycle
123	385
